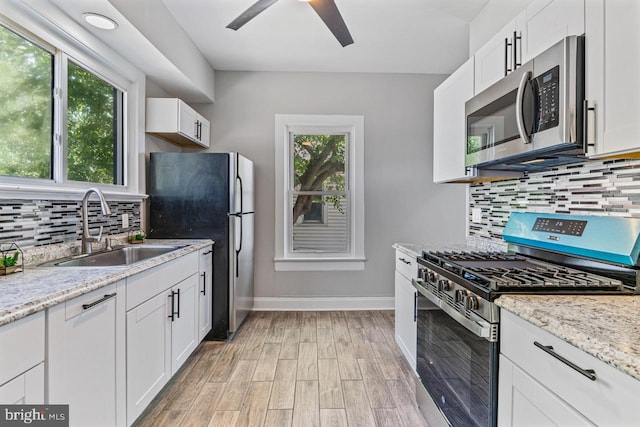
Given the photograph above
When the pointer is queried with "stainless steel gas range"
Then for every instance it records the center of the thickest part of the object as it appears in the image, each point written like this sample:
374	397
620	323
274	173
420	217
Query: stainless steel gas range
459	324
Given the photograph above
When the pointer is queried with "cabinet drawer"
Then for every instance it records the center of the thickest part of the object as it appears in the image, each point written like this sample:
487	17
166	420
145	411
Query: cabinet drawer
91	300
406	265
150	283
25	339
609	400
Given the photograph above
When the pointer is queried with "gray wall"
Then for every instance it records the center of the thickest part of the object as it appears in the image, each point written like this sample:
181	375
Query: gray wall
401	203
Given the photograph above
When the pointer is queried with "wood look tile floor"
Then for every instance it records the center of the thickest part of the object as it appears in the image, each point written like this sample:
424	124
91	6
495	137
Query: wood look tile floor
283	369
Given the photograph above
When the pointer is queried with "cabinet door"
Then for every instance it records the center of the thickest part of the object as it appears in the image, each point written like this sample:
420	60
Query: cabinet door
148	353
494	60
522	401
405	324
184	323
27	388
548	22
449	124
187	118
205	132
83	363
612	69
205	292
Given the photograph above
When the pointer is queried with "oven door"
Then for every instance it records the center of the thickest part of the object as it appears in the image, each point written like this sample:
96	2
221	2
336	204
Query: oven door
457	366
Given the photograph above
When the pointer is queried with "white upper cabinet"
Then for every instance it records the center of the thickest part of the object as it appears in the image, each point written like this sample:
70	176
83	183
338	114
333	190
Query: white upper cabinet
540	26
500	55
175	121
549	21
449	126
612	70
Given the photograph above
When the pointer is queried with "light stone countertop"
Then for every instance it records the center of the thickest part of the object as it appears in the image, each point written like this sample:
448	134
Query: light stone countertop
37	288
606	327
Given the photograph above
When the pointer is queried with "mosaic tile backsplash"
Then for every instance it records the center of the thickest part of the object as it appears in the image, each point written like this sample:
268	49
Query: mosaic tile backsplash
36	223
609	187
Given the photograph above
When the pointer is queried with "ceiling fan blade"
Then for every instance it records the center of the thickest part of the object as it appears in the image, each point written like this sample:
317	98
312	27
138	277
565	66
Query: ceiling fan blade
250	13
329	13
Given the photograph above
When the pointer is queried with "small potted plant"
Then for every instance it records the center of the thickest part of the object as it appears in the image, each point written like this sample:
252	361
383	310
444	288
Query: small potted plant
9	260
137	237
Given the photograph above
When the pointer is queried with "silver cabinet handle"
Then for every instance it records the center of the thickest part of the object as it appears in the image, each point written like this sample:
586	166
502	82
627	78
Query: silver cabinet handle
516	38
585	125
589	373
204	283
98	302
507	45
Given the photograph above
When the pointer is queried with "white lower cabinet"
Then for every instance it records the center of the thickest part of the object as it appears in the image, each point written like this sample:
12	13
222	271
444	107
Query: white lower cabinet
545	381
525	402
205	291
22	361
27	388
85	358
184	321
148	353
405	306
162	328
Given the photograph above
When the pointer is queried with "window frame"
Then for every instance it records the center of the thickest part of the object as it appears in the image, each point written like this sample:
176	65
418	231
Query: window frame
79	46
285	258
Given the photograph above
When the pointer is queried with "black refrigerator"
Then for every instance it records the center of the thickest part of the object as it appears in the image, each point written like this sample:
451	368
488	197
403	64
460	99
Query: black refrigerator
210	195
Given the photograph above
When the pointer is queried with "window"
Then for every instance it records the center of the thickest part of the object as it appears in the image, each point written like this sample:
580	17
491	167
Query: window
63	114
26	111
319	193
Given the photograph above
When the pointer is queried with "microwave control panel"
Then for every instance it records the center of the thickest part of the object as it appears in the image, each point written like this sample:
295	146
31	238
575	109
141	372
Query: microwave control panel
548	88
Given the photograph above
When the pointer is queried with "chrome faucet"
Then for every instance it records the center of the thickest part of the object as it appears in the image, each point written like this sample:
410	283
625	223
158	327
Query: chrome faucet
86	237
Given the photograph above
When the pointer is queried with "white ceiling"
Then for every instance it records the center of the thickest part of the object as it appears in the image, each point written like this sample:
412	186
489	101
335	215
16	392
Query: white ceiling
391	36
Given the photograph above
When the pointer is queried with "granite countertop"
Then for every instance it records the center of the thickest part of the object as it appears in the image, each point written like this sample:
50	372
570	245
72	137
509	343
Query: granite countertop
606	327
37	288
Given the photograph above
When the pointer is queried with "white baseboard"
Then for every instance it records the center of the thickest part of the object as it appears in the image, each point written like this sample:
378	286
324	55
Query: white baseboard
322	304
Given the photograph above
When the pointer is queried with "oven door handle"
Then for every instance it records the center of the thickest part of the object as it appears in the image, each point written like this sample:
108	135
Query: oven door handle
479	327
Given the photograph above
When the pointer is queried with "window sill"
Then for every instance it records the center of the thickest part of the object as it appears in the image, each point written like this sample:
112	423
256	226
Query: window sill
319	264
32	192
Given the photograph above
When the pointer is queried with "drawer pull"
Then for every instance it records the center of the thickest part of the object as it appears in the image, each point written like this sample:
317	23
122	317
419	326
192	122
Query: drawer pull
98	302
589	373
404	260
208	252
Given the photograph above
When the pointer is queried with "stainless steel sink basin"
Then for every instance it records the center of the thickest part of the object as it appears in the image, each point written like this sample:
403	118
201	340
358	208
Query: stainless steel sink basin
118	256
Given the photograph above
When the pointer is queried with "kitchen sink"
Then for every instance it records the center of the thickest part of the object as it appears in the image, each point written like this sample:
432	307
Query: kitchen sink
124	255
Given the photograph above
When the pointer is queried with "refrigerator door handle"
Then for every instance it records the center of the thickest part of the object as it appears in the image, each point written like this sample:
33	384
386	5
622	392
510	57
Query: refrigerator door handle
241	193
239	247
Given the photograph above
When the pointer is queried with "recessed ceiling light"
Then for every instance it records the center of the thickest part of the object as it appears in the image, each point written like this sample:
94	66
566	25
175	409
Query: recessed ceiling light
100	21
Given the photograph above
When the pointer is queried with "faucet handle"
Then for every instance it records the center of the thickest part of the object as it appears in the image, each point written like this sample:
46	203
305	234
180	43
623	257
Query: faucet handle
99	236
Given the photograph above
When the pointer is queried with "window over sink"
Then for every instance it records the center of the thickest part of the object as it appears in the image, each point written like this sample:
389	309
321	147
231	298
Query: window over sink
63	118
319	194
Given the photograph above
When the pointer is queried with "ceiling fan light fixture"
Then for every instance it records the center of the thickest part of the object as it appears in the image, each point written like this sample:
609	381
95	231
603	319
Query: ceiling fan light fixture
100	21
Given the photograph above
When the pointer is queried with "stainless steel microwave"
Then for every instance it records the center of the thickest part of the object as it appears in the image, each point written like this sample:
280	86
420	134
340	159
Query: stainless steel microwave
533	118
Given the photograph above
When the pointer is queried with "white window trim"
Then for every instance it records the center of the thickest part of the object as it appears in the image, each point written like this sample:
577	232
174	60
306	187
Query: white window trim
59	31
285	260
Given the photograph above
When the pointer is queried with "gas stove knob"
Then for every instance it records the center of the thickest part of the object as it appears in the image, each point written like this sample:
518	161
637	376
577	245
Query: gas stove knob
431	276
443	285
459	295
471	302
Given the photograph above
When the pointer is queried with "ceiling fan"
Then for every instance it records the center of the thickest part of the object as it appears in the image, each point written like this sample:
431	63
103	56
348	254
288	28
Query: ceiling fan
326	9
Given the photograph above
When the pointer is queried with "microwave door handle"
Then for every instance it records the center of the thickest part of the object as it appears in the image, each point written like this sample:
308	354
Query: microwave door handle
526	139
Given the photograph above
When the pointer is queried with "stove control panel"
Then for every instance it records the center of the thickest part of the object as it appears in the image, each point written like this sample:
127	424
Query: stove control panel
604	238
571	227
